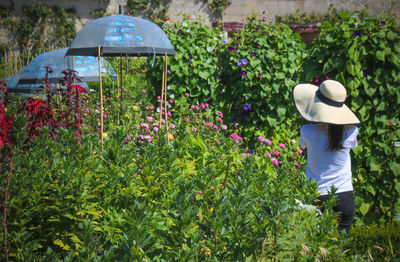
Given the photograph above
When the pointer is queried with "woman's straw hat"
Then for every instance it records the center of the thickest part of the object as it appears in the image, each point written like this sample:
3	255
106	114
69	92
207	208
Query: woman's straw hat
324	104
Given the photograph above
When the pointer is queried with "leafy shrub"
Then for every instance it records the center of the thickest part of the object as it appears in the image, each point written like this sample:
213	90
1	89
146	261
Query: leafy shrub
259	67
194	69
380	242
363	54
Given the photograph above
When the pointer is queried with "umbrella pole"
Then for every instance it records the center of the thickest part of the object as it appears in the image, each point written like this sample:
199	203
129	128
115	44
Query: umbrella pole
165	94
162	95
73	67
101	102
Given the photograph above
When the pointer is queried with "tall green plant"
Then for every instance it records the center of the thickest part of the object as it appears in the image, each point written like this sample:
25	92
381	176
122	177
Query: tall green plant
363	54
259	65
194	69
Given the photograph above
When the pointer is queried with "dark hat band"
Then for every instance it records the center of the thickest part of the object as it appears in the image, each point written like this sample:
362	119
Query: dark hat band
327	100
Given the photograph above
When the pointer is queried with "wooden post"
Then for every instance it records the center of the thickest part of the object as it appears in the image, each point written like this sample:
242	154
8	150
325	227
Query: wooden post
101	102
165	95
162	95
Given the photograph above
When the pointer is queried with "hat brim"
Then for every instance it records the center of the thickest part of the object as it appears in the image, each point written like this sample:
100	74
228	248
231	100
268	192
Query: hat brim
312	109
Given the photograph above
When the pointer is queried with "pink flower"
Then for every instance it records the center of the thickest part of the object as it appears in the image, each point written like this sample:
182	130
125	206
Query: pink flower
171	101
187	94
299	151
210	124
215	127
219	120
172	126
224	127
282	146
206	104
155	129
158	98
267	141
186	120
261	139
220	115
390	123
202	106
150	107
104	116
194	129
169	114
149	119
196	107
124	90
297	165
293	141
274	161
144	125
276	153
269	155
144	91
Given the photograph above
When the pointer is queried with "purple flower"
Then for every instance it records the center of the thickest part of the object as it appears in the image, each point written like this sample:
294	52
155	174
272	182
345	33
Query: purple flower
243	73
258	28
242	62
190	58
168	71
364	73
179	31
223	41
246	107
259	74
356	33
238	38
316	81
231	49
253	53
383	23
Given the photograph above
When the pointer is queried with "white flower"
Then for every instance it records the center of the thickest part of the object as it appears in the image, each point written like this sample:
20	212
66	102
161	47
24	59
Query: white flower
184	24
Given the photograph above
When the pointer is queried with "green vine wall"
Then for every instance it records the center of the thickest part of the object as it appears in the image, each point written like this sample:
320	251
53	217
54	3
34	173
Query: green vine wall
41	27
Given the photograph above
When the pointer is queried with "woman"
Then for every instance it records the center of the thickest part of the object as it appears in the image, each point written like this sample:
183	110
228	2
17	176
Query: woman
329	139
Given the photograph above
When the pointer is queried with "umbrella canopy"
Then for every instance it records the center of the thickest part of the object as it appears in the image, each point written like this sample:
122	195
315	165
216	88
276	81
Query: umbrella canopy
86	66
13	87
120	35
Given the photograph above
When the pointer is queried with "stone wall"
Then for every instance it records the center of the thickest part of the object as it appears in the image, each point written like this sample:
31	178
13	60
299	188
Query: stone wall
235	12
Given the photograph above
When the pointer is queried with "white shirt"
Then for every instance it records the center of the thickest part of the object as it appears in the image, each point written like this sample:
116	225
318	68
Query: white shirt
328	168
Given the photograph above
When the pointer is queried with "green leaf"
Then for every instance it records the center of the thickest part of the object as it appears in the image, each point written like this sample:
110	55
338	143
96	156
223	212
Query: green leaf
380	55
364	208
395	167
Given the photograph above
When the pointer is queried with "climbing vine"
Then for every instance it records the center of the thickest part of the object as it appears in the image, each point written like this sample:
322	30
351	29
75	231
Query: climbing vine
41	25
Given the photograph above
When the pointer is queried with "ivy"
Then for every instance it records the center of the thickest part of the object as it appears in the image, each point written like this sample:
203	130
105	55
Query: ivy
41	25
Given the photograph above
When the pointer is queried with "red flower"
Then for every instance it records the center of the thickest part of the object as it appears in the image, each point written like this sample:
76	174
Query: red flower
78	88
167	19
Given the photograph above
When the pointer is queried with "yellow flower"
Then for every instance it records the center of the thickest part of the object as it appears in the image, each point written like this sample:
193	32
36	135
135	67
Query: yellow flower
126	116
105	135
170	137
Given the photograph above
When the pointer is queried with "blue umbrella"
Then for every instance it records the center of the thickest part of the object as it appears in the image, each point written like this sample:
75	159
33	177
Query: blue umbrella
14	87
86	67
119	35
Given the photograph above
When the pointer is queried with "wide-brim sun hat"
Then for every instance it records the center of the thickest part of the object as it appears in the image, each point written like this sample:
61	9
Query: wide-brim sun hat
323	104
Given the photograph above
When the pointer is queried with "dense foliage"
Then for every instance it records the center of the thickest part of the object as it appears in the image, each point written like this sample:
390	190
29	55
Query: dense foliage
209	188
363	54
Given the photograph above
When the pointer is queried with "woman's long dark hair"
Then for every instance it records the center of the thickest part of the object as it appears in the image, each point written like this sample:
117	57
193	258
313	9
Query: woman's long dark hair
335	137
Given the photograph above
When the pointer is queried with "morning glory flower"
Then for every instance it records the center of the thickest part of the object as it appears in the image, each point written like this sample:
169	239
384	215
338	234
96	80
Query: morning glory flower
246	107
190	58
224	41
356	33
364	73
231	49
253	53
383	23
